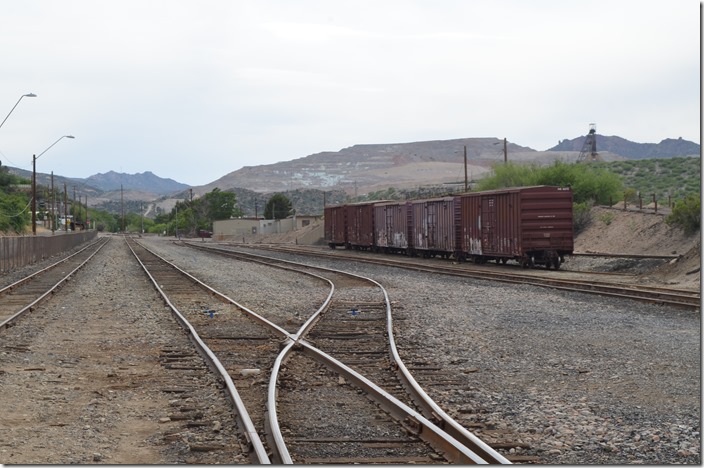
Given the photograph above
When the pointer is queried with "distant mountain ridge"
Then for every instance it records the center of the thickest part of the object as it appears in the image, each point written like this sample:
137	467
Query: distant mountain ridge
144	182
369	167
358	169
667	148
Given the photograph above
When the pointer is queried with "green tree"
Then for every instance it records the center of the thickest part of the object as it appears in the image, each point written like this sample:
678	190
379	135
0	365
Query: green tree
587	181
14	212
220	205
278	207
509	175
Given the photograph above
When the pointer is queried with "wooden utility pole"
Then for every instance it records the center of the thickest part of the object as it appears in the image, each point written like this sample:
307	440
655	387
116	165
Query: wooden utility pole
66	225
53	205
122	208
505	152
466	182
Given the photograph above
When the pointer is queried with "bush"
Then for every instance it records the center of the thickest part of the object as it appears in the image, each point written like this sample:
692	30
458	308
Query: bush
606	218
581	216
588	182
686	214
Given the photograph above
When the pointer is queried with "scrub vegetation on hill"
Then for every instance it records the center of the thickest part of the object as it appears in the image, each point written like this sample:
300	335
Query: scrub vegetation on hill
674	182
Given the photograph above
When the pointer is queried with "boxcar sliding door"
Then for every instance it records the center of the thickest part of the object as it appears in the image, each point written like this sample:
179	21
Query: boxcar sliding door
488	224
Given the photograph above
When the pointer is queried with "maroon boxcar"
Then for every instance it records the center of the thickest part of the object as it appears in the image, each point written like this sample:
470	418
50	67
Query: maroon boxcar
391	227
433	226
532	225
360	226
335	226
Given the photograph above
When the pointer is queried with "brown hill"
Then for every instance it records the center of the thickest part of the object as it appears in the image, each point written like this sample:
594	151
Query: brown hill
364	168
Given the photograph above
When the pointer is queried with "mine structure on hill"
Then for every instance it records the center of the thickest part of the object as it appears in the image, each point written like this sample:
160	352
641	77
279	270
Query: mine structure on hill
588	152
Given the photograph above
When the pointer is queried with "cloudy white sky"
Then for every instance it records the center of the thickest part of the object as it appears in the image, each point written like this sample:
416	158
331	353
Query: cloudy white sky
193	90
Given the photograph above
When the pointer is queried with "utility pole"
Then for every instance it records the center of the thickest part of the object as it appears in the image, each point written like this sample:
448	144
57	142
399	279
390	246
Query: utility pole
122	208
53	205
73	206
34	189
66	225
465	168
505	152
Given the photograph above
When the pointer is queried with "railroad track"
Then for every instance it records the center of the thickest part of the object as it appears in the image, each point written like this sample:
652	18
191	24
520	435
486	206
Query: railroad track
445	447
77	351
25	294
351	338
563	280
242	347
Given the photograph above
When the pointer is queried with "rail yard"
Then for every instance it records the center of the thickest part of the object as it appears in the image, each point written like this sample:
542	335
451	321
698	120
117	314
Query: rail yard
102	371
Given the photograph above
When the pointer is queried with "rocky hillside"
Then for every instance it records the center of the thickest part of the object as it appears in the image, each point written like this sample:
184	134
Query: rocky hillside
667	148
357	170
364	168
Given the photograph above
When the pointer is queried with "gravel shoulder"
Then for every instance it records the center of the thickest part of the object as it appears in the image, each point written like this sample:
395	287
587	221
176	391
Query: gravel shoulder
583	379
82	380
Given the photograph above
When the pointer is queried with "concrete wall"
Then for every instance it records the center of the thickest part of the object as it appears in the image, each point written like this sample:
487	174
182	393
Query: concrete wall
301	229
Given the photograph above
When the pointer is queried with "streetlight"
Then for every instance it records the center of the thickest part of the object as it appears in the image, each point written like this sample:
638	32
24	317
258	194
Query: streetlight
34	183
18	101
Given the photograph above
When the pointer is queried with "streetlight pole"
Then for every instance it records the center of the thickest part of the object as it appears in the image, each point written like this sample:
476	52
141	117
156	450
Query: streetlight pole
18	101
34	183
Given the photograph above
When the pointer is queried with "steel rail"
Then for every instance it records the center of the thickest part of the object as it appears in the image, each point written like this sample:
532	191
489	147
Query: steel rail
5	323
446	423
248	429
453	449
674	297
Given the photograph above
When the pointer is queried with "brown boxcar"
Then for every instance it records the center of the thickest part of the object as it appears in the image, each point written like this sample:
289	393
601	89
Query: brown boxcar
391	227
335	226
360	226
532	225
433	227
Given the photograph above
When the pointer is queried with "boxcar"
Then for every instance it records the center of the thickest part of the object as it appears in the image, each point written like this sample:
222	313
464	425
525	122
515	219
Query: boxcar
433	226
360	226
532	225
391	227
335	226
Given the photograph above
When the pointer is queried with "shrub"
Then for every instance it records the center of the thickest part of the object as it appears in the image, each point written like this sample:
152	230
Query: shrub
581	216
686	214
606	218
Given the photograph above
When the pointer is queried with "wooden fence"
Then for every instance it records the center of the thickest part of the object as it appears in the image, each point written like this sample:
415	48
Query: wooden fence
16	252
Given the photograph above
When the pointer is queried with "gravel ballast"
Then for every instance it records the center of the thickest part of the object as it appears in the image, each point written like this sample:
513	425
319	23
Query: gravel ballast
578	379
585	379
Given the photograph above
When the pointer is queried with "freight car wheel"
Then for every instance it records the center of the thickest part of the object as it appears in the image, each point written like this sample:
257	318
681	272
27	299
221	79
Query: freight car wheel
556	263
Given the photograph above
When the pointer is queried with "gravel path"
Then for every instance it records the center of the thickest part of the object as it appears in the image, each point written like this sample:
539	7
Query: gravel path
582	379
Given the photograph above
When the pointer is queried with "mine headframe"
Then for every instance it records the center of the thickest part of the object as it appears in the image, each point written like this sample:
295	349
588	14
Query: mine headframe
588	152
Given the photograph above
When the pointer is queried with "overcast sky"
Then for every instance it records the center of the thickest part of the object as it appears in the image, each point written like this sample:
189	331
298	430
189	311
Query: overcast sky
193	90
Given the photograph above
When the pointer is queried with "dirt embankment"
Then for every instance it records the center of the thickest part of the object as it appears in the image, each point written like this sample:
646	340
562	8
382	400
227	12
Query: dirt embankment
617	231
